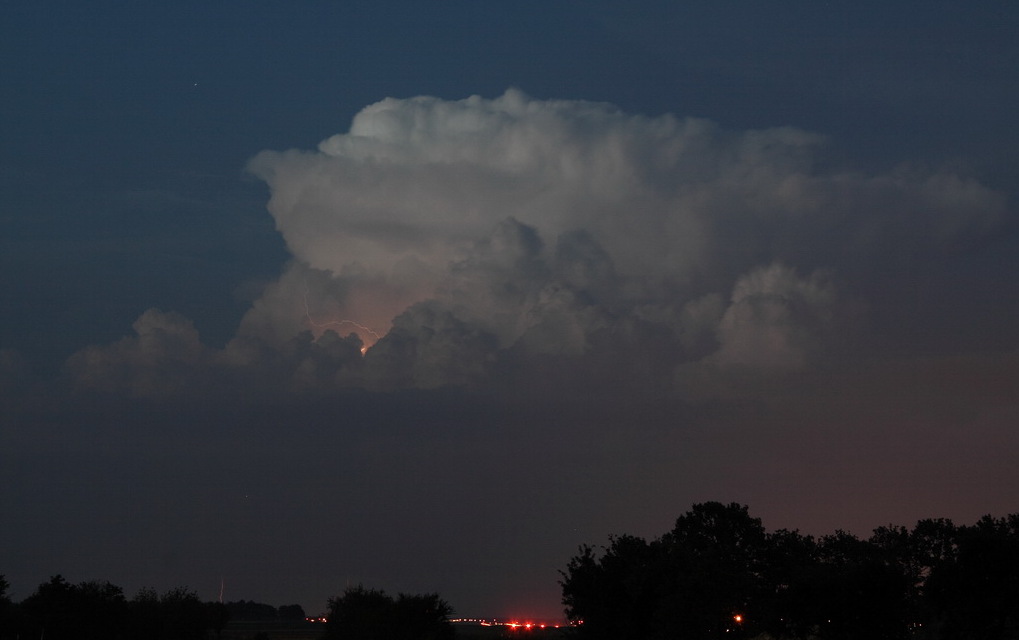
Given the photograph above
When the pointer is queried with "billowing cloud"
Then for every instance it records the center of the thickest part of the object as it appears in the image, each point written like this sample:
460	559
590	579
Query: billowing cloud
776	319
459	238
159	360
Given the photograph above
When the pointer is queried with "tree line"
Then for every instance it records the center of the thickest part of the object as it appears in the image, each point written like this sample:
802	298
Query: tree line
260	612
371	614
98	609
719	574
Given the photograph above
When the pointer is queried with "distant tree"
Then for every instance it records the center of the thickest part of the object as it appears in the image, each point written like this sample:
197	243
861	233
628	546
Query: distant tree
89	610
97	610
615	595
249	610
101	610
50	611
291	612
719	574
360	614
716	554
422	617
217	615
787	610
973	593
703	579
183	615
8	623
144	616
370	614
933	543
865	590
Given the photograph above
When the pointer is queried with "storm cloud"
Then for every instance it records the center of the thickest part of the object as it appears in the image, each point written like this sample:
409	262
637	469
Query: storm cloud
262	325
470	241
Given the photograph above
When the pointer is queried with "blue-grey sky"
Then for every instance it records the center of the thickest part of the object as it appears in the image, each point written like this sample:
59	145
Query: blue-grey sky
604	260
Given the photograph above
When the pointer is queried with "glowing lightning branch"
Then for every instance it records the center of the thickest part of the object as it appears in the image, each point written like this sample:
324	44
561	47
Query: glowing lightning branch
319	325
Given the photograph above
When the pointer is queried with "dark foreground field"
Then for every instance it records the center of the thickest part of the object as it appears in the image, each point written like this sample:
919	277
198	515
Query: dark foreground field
313	631
477	632
273	631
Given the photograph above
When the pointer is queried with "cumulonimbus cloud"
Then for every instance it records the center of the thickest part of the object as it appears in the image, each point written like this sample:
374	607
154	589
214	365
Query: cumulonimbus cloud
447	234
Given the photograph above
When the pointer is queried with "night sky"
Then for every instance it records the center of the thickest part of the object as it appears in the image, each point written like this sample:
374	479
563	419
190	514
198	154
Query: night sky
301	295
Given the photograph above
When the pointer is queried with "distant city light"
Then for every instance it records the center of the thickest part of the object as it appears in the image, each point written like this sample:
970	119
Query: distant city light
512	625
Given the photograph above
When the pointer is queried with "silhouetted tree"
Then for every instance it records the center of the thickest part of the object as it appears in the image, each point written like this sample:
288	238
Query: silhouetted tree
183	615
974	591
370	614
217	615
251	611
702	579
291	612
50	611
97	610
101	610
422	617
716	554
933	543
617	595
719	574
359	614
865	590
144	617
89	610
789	567
8	622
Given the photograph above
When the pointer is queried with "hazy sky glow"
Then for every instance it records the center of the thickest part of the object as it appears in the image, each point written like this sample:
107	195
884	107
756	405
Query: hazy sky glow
301	298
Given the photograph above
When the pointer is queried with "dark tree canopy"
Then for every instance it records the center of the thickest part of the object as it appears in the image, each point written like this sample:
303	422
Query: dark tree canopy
87	610
291	612
719	574
251	611
370	614
98	610
976	590
6	608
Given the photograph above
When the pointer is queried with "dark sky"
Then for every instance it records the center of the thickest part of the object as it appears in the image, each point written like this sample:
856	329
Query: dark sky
604	260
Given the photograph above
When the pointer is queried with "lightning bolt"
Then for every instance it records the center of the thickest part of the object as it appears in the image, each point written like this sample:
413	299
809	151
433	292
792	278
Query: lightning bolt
334	323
